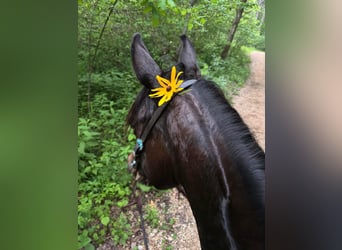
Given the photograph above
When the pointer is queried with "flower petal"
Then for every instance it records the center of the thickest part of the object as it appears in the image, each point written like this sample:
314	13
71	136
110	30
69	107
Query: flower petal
178	90
179	83
168	87
162	100
173	75
162	81
156	95
168	96
157	89
159	93
180	72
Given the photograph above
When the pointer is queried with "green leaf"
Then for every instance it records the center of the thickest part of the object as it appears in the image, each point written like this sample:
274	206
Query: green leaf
105	220
122	203
171	3
148	9
81	147
83	239
143	187
89	247
202	20
131	137
155	17
162	4
190	26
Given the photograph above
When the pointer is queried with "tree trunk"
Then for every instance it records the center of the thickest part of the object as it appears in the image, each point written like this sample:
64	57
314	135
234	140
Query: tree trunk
111	9
261	4
91	59
262	20
232	31
187	18
261	14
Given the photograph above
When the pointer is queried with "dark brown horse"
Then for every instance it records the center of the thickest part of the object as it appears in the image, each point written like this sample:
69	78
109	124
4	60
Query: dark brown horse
200	144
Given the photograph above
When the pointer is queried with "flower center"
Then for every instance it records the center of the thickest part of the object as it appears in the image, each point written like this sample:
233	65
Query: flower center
168	88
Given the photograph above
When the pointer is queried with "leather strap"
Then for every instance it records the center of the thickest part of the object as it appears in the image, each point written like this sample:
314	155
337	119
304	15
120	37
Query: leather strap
188	83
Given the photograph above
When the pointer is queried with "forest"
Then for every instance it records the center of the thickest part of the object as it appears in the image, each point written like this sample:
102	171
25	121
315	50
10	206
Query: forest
223	33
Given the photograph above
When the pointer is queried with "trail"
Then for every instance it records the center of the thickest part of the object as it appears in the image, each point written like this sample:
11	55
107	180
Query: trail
250	103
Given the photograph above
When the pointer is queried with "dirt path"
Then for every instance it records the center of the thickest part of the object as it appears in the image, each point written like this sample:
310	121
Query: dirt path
177	228
250	103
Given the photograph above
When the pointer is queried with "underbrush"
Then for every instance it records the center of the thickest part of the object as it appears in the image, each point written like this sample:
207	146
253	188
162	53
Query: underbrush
231	74
103	146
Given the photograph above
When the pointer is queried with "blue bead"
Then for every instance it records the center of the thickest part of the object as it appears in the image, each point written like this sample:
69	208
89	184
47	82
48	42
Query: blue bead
140	144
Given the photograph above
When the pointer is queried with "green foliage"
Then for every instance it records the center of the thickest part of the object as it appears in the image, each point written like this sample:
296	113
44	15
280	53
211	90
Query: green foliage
119	87
84	240
152	216
144	188
260	42
121	230
230	74
167	225
166	246
103	177
107	88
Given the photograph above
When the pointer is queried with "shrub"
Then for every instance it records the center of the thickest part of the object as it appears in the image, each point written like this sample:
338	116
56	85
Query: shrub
104	181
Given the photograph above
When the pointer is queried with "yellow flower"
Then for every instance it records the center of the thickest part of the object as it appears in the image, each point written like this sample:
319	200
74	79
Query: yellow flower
168	88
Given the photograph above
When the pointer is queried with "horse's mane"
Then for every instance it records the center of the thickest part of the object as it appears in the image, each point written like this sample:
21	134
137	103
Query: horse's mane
247	155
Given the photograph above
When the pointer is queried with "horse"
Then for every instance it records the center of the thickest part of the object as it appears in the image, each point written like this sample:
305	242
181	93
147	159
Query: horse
199	144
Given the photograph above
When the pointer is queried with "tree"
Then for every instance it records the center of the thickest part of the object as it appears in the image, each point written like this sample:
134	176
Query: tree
232	31
187	18
261	14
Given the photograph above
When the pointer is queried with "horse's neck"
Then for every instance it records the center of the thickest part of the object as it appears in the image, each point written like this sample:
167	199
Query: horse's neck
220	224
215	165
225	215
213	225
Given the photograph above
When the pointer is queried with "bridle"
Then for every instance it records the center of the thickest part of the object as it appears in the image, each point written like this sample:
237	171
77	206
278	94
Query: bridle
138	148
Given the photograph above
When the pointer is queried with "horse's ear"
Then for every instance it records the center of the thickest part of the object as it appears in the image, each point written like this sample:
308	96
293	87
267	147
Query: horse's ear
187	56
144	66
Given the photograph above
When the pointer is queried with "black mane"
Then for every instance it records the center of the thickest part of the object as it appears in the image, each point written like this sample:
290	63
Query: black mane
247	155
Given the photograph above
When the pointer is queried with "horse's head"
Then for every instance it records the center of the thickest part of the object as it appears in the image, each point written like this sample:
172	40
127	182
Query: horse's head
155	154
